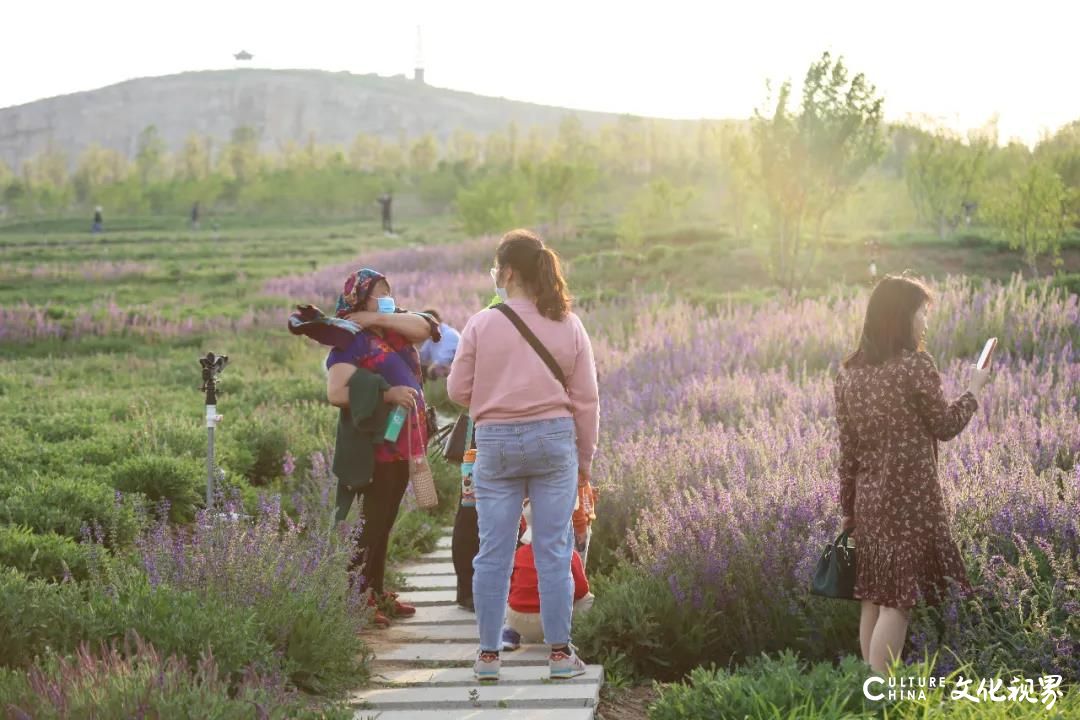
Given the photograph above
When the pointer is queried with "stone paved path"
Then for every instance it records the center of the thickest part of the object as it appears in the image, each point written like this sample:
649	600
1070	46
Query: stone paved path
423	665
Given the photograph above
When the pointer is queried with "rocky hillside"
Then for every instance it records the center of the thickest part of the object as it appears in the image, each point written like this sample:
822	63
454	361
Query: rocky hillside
280	105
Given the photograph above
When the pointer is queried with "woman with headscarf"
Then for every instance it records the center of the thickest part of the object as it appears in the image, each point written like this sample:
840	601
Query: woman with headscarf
385	345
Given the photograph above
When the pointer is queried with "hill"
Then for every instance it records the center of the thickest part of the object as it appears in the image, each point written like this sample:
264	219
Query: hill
281	105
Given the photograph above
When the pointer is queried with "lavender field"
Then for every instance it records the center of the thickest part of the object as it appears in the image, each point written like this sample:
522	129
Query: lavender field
717	467
717	478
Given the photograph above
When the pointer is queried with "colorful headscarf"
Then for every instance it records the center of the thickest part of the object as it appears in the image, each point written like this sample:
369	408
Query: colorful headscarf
357	290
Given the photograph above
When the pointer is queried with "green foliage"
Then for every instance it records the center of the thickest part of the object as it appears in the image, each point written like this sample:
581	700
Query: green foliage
36	616
42	555
161	477
67	505
1033	214
767	687
496	203
656	207
261	443
941	173
135	680
634	623
810	161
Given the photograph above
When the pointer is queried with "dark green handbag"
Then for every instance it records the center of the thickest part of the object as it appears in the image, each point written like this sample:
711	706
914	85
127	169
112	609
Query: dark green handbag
835	574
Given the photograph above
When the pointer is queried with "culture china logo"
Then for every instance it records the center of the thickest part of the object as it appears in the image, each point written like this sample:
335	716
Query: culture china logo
1044	691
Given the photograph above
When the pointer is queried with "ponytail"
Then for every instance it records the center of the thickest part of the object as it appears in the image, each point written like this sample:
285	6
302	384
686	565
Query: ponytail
552	299
539	269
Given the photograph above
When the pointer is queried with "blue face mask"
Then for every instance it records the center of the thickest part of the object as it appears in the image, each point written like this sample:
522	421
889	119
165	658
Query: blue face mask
386	305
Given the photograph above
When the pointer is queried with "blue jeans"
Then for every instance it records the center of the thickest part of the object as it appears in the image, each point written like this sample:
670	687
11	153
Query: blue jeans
538	459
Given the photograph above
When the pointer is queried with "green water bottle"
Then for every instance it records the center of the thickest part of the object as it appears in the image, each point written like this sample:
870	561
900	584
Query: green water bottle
394	424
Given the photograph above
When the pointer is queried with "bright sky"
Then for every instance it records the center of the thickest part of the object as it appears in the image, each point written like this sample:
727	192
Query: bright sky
959	60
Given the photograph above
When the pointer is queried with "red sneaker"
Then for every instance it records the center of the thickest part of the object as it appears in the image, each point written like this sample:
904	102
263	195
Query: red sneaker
400	609
378	618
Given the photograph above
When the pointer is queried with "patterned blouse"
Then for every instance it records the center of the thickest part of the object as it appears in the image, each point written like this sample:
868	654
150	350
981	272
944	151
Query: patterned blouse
398	362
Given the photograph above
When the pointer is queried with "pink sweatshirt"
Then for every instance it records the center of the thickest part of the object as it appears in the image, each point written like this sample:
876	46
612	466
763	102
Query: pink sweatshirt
501	379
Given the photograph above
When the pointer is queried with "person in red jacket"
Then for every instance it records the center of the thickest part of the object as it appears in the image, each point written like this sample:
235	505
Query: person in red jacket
523	611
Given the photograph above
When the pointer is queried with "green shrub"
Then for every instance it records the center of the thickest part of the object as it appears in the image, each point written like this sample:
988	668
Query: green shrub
135	680
162	478
638	627
784	687
42	555
66	505
767	687
36	615
256	448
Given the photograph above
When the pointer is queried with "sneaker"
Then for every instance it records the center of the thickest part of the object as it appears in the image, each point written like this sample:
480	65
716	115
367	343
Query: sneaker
467	605
511	639
379	618
398	608
487	666
562	666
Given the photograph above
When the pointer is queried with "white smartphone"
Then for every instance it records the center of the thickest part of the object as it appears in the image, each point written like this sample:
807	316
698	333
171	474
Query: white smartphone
987	351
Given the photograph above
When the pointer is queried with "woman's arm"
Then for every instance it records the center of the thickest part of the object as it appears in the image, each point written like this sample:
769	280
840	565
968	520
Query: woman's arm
585	399
337	384
459	384
944	419
849	460
412	326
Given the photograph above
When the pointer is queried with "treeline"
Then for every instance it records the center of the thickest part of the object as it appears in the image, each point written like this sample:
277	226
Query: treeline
789	177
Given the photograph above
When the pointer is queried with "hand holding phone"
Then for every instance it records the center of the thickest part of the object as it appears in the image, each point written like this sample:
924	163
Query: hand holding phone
981	376
987	351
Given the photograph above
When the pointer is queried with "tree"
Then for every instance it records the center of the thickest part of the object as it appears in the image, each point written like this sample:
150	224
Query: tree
240	160
423	155
810	161
739	180
655	208
940	174
1032	213
562	186
149	156
194	160
496	203
97	168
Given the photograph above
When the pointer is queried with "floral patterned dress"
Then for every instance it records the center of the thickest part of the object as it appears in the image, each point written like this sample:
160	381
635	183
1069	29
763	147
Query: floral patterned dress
891	417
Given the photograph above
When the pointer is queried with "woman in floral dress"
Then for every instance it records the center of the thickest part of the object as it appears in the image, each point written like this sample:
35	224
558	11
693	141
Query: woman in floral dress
891	414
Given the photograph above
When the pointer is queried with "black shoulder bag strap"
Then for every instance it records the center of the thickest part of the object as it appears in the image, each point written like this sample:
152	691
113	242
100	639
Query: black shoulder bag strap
534	341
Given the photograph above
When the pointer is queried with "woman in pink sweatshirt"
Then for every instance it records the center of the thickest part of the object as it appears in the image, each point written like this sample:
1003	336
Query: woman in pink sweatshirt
536	430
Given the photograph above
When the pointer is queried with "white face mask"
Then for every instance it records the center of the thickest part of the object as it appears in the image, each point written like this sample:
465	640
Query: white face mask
500	291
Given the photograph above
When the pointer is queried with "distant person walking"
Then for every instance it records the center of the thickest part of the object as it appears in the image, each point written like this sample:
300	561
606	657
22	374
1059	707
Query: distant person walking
891	414
386	200
531	390
98	224
195	216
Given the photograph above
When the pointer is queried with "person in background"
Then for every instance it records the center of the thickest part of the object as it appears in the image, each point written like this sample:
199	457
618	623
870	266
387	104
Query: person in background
195	216
535	435
523	609
386	346
99	223
891	414
386	200
437	356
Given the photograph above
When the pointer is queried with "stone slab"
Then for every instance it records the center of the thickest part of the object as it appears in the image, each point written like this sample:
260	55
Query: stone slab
440	555
494	696
454	654
421	598
431	582
446	541
474	714
434	614
440	632
520	675
427	568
